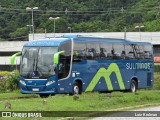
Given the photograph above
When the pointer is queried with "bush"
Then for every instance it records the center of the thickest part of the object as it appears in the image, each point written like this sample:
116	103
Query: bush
3	81
13	82
9	80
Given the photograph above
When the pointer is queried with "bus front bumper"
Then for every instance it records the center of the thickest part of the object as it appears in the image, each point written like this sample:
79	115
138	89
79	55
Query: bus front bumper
38	92
41	89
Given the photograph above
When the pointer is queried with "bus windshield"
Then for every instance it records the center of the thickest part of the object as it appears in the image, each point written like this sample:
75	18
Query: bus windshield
37	62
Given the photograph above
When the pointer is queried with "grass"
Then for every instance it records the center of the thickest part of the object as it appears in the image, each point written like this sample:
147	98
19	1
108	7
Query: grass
86	102
16	95
156	81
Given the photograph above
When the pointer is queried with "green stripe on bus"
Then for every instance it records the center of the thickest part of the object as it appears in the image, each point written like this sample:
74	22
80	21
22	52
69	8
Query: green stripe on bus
102	72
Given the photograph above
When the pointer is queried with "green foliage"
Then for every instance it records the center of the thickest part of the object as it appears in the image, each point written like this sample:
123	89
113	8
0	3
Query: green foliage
9	81
153	25
81	16
13	80
4	73
3	81
19	32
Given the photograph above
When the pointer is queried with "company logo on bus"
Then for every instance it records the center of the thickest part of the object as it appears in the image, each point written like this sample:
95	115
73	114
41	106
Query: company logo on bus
33	74
138	66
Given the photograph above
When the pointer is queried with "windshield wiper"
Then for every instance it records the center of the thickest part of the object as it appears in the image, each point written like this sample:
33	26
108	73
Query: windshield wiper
37	60
34	65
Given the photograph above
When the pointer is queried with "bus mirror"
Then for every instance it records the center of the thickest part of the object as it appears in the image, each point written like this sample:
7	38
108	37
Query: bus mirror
13	57
56	57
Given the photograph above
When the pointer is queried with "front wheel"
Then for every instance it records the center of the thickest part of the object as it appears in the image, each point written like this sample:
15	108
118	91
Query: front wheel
77	88
133	87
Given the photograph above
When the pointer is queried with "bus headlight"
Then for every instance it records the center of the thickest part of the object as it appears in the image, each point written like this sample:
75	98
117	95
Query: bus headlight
22	82
50	82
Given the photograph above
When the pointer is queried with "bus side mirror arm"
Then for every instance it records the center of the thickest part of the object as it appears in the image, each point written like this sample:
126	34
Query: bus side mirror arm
13	57
56	57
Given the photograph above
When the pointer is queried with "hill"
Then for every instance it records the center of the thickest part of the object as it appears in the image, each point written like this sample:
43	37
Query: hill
79	15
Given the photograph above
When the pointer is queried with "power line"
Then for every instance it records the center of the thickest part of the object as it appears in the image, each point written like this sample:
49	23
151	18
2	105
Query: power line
122	9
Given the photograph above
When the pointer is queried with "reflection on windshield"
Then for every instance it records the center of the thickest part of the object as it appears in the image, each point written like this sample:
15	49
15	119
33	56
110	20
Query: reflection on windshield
37	61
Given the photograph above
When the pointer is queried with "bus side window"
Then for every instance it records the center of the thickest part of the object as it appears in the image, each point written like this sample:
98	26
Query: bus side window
139	51
102	53
105	50
118	51
123	54
79	51
89	53
129	50
147	51
93	50
131	55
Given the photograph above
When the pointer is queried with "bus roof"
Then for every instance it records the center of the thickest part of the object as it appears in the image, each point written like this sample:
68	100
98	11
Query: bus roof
110	40
90	38
47	42
78	38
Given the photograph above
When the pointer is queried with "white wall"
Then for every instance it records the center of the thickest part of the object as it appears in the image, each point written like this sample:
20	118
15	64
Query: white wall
11	46
6	60
153	37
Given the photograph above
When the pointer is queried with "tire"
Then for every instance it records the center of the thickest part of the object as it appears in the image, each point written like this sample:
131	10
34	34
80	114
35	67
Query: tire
77	88
44	95
133	87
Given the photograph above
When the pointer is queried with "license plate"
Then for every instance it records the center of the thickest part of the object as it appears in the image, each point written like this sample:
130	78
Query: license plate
35	89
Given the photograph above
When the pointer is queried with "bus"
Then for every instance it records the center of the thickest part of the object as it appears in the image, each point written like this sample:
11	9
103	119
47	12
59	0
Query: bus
73	64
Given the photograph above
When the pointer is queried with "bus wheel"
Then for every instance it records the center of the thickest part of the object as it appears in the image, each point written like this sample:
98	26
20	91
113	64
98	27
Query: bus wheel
76	88
133	87
44	95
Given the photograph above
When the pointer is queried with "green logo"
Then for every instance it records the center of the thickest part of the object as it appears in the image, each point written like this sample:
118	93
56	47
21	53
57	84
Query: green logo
102	72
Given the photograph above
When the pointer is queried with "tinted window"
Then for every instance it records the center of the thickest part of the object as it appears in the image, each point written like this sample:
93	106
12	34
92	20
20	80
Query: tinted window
139	51
79	51
106	51
147	51
67	48
92	50
129	50
118	51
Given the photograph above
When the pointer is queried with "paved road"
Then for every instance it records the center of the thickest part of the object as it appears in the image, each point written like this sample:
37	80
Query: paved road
151	110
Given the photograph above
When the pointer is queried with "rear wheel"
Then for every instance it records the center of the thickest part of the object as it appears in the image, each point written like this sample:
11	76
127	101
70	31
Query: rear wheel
133	87
44	95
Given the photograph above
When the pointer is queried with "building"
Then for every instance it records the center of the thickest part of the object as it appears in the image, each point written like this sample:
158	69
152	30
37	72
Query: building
7	49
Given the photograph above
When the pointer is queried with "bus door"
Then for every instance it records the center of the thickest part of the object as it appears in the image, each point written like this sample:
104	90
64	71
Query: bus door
64	61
